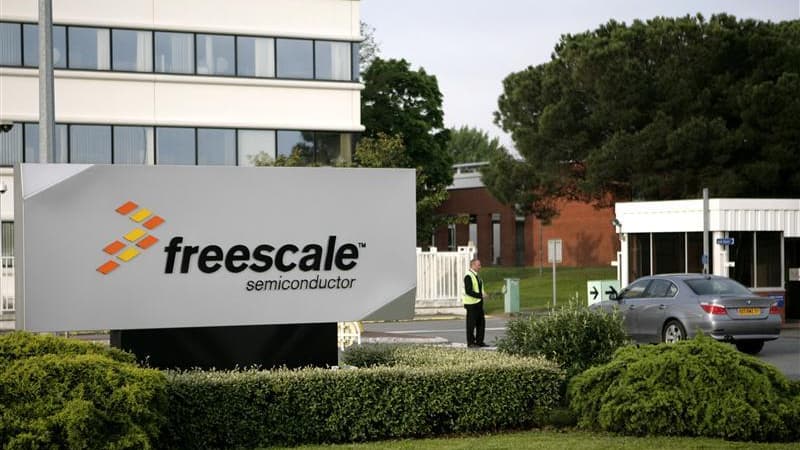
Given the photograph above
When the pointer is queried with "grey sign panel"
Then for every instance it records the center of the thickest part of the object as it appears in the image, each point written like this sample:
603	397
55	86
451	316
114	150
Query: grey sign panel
131	247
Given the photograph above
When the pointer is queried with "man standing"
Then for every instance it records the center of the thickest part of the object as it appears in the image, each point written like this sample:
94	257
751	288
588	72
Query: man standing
473	302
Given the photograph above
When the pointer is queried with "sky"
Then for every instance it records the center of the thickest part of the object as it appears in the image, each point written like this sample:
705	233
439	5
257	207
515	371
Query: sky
472	45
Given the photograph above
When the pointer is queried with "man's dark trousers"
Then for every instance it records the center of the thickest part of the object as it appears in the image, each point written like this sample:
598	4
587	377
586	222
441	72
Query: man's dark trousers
476	323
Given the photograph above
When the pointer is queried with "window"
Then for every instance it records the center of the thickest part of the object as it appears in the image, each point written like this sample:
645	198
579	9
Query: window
661	289
496	246
11	146
333	148
741	253
356	69
30	43
89	48
256	57
10	44
638	255
175	146
717	286
90	144
216	147
256	145
132	50
215	55
768	259
635	290
669	255
7	236
59	153
295	58
174	52
694	253
133	145
332	60
451	237
297	145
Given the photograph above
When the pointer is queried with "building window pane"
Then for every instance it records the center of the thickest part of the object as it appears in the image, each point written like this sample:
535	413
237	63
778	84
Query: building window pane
332	60
333	148
216	147
174	52
694	253
175	146
7	236
89	48
132	50
741	253
132	145
638	255
30	37
297	146
295	58
256	57
356	61
11	146
10	44
215	55
59	153
90	144
256	147
768	259
668	253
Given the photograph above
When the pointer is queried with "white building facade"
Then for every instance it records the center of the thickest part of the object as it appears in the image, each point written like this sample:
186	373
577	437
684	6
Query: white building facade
754	241
201	82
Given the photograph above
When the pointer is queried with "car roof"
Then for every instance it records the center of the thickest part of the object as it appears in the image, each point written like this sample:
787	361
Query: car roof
681	276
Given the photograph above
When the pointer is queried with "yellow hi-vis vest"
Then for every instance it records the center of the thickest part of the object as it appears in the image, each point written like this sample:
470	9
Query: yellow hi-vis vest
468	300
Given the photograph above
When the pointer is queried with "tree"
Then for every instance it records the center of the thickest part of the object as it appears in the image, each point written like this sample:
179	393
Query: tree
659	110
469	145
368	49
398	101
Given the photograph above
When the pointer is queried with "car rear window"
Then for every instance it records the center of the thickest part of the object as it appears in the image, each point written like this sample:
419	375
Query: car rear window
717	286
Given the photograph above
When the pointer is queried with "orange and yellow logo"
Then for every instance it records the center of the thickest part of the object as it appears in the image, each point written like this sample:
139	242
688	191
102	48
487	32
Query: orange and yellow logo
126	249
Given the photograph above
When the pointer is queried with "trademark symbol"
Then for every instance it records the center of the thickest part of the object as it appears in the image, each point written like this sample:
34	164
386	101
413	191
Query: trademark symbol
362	245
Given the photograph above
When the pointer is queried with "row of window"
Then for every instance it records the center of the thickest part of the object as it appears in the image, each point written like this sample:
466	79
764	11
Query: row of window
127	50
118	144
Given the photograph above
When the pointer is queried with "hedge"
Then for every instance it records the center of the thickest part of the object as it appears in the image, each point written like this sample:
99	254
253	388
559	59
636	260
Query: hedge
699	387
59	393
429	391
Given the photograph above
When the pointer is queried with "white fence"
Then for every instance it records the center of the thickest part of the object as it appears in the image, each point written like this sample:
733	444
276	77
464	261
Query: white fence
6	284
440	278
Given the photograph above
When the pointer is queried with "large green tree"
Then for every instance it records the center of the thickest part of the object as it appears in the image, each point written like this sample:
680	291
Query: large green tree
399	101
657	110
468	144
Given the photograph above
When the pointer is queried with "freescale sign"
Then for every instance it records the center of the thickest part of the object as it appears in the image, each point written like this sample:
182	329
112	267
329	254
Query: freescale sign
131	247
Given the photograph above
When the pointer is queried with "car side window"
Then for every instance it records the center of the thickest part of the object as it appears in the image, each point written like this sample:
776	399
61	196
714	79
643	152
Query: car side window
660	289
636	290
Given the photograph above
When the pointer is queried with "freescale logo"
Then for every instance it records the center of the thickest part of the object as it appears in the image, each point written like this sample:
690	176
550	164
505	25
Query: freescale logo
126	248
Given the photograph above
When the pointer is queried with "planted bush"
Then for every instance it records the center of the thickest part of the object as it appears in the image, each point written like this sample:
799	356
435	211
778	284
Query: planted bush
572	335
58	393
699	387
426	392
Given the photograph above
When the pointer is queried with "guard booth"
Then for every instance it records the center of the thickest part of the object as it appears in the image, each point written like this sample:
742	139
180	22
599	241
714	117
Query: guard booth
754	241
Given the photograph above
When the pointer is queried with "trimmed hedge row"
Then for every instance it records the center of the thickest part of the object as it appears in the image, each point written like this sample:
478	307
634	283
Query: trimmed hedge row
59	393
429	391
699	387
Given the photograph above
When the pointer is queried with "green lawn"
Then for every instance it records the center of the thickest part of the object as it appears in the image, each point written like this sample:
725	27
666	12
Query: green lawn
557	440
536	290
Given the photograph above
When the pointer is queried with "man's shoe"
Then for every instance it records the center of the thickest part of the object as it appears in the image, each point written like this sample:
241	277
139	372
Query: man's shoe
482	344
473	345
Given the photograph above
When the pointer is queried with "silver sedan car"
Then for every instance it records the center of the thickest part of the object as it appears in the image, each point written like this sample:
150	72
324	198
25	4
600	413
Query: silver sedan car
670	308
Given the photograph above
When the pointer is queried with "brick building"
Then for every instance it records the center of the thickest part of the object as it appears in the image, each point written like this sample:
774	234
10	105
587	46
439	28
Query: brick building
503	238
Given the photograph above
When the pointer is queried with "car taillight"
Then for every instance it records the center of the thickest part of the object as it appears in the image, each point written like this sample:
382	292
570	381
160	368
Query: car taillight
713	309
773	308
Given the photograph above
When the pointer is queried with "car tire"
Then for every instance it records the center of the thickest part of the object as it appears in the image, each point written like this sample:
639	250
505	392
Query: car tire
750	347
673	332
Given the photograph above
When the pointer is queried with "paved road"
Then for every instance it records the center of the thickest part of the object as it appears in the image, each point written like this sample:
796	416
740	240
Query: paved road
783	353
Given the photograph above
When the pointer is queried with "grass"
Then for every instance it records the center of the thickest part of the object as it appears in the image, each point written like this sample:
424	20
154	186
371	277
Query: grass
536	287
556	440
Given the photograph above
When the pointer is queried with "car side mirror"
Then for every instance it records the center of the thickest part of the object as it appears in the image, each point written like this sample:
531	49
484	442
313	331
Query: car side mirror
614	297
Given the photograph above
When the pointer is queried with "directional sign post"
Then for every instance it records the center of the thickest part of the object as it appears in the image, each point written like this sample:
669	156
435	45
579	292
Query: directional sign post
599	290
554	256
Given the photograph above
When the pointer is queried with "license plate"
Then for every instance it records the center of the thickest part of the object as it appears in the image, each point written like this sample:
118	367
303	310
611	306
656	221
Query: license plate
749	311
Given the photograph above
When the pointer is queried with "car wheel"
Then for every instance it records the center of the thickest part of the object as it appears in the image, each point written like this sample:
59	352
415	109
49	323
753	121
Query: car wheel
750	347
673	332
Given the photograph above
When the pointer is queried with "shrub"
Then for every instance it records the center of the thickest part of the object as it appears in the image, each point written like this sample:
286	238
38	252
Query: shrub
692	388
69	394
573	335
370	355
428	391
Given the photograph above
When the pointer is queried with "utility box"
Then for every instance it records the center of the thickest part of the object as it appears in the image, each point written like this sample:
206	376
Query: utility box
511	291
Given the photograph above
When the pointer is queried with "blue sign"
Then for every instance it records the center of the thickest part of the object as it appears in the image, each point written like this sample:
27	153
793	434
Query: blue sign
725	241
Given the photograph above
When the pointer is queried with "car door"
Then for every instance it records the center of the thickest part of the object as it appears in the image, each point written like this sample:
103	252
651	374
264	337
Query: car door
653	309
629	304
